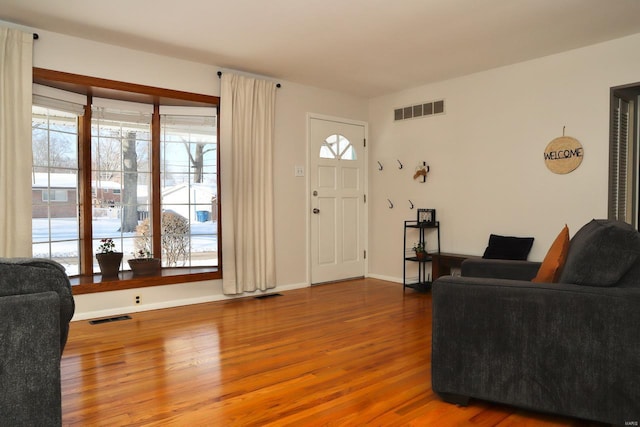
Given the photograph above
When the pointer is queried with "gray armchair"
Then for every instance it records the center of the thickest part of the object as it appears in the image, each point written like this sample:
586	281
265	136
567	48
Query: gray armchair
36	306
570	348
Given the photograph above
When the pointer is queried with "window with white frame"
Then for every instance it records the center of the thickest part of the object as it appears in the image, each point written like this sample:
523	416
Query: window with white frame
55	171
188	185
121	174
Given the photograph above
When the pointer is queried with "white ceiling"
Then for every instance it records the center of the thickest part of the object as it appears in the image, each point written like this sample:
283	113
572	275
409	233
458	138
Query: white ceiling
361	47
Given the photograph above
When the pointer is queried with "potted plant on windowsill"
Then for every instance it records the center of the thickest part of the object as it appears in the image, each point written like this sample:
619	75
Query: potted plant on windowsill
144	263
420	250
108	258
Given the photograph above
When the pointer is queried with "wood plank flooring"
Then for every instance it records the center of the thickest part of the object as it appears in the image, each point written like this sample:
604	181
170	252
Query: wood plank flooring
351	353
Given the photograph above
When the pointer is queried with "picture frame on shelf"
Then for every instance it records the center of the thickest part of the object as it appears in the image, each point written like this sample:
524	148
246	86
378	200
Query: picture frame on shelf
427	216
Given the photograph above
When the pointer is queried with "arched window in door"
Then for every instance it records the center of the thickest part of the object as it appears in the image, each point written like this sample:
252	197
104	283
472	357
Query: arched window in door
337	147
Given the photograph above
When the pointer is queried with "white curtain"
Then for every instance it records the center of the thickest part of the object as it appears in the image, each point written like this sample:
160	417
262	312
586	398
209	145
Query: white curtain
247	118
16	63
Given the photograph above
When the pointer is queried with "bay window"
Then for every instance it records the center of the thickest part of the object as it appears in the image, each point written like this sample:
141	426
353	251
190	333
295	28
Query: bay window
131	163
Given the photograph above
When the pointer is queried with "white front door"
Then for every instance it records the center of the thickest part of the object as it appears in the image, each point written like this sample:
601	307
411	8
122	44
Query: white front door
336	168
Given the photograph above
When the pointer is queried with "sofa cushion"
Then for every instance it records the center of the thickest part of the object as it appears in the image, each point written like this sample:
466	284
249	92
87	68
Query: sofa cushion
22	276
601	253
553	262
508	247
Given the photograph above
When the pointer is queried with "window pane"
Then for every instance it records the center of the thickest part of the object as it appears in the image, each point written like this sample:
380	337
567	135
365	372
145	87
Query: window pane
189	191
120	181
326	153
349	153
55	222
346	149
329	148
337	147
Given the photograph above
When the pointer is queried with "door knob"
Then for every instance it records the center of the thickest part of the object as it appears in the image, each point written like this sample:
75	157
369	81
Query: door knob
316	210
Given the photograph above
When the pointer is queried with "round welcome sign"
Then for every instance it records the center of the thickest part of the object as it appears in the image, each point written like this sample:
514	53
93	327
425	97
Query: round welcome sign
563	155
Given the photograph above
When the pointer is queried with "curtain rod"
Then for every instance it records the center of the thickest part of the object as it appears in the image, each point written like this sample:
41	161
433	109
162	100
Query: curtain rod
278	85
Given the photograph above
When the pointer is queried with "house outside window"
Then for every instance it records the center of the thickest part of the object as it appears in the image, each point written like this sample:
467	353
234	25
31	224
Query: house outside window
55	195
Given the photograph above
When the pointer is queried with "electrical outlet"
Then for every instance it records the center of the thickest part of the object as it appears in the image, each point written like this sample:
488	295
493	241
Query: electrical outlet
138	301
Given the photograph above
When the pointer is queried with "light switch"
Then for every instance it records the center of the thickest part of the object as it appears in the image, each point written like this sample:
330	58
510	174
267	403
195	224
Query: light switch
299	170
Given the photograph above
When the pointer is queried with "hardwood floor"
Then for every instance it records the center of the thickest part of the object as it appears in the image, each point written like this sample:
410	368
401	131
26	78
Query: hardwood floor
351	353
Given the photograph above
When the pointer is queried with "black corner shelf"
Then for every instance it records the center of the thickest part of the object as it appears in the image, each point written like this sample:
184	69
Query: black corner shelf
423	282
416	224
415	259
419	287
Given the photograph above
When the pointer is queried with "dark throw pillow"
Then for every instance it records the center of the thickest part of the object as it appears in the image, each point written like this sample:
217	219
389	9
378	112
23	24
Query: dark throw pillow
600	253
508	247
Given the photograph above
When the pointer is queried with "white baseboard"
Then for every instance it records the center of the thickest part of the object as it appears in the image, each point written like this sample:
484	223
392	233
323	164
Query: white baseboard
387	278
118	311
289	287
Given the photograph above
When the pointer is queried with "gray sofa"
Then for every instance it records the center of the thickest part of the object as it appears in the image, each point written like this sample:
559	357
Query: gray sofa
570	348
36	305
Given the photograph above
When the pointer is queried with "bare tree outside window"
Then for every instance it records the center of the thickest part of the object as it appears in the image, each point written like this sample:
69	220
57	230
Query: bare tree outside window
197	158
53	149
107	157
130	183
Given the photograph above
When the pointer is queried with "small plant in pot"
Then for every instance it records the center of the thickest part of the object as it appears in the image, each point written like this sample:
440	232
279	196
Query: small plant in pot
420	250
108	258
144	263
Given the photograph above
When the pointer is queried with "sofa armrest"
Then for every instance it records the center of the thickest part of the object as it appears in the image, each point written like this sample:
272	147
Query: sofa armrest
30	360
560	348
23	276
500	268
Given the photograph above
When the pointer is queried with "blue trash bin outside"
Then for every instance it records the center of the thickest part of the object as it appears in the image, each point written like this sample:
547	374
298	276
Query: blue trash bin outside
202	216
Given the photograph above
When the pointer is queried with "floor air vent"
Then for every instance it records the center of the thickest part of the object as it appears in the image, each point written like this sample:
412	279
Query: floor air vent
267	296
109	319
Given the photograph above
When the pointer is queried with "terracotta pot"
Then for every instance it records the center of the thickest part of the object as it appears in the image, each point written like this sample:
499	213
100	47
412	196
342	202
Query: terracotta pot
109	263
142	266
421	256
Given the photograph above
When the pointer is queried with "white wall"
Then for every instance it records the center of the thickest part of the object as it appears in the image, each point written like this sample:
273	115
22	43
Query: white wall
63	53
486	153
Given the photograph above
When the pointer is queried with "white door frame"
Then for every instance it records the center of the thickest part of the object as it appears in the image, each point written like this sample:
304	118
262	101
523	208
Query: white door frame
365	218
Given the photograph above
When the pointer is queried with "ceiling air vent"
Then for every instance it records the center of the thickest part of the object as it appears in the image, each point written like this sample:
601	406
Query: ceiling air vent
421	110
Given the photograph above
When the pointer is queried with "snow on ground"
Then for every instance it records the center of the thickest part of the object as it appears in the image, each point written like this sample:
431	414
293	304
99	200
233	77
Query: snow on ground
64	239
